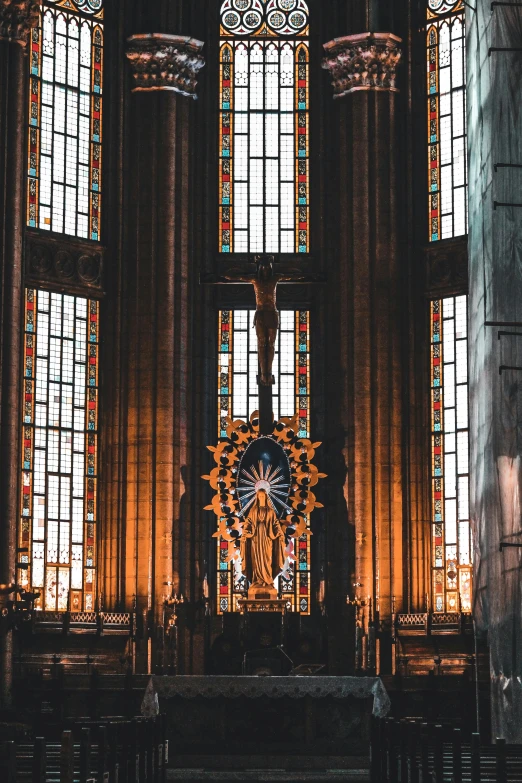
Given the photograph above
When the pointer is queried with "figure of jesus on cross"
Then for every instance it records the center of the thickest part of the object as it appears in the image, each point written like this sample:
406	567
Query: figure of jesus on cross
266	320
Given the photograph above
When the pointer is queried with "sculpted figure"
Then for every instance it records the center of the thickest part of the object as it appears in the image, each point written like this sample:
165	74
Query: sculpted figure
266	319
262	546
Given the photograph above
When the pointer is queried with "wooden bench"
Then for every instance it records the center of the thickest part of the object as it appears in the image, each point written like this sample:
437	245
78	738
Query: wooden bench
107	751
409	751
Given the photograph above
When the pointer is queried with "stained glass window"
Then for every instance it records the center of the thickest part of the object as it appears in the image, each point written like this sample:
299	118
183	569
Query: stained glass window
65	118
451	550
238	367
57	532
264	127
446	85
238	398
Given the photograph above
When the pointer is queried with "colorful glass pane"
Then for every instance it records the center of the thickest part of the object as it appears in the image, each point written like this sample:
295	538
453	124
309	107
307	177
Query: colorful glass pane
59	450
443	6
238	367
264	129
446	98
451	544
238	399
65	119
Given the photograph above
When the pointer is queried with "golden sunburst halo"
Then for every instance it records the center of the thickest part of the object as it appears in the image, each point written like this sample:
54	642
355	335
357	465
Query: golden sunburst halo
236	487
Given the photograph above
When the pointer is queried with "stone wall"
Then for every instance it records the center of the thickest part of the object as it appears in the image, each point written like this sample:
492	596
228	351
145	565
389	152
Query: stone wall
495	253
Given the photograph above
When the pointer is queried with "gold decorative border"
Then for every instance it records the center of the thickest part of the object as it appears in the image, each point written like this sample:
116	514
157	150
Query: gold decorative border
223	478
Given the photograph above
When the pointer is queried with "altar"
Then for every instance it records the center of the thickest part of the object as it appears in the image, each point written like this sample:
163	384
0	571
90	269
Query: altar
254	715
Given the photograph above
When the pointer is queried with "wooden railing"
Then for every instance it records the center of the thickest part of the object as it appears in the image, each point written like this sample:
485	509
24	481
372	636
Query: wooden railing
409	751
111	750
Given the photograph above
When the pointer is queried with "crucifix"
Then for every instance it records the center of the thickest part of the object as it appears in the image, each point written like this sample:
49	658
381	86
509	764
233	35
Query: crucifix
266	323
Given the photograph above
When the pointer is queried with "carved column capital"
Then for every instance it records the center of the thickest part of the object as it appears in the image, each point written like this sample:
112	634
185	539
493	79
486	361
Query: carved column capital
165	62
367	61
16	19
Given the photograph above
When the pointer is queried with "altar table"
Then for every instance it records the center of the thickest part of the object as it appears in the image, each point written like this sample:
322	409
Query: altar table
217	714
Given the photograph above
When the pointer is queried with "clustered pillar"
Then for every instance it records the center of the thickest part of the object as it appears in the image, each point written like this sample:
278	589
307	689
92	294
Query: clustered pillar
156	290
366	282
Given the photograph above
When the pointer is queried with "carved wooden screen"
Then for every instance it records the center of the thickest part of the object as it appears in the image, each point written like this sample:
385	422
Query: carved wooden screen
65	118
446	97
451	544
263	133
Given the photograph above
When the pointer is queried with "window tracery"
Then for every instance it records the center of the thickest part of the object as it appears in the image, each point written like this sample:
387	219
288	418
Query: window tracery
65	119
443	6
264	127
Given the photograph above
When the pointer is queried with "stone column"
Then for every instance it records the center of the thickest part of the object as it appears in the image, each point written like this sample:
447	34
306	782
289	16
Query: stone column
15	21
366	282
157	279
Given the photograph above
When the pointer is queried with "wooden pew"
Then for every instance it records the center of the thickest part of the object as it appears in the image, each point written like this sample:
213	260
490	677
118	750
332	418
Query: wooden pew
409	751
127	751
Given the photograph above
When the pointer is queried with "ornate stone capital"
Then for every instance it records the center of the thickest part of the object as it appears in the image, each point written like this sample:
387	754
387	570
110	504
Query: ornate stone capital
165	62
367	61
17	18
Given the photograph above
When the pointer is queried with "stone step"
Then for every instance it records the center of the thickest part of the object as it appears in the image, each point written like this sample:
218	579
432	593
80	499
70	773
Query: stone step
271	761
270	775
269	768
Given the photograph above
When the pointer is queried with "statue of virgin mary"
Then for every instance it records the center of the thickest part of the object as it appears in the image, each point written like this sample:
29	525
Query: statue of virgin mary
262	547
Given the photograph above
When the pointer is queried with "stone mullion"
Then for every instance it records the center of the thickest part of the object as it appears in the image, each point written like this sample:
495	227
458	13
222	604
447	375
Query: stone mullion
183	518
143	354
362	370
389	426
338	302
186	532
168	374
15	21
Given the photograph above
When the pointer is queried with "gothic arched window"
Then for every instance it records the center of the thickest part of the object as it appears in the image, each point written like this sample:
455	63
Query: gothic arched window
264	99
65	119
446	87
